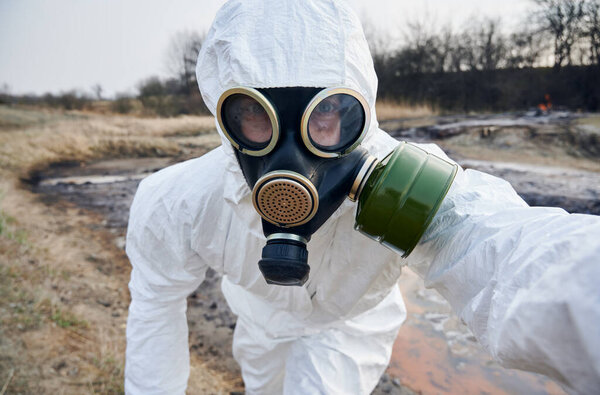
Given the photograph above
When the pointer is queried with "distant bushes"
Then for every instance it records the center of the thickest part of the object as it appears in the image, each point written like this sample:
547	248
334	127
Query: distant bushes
122	104
167	98
155	98
572	87
71	100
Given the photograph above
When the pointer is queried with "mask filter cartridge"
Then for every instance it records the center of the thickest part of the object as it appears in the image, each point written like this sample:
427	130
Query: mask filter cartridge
401	196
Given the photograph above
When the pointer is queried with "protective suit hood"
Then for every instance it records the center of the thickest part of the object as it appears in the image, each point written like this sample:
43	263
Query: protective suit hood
260	44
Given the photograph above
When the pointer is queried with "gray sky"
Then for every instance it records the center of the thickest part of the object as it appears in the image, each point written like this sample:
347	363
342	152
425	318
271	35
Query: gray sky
52	46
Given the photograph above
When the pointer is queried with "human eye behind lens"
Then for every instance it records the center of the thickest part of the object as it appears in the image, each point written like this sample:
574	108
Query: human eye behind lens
250	107
256	109
328	106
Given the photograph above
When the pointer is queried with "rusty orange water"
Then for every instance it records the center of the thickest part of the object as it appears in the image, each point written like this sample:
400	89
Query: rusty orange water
435	354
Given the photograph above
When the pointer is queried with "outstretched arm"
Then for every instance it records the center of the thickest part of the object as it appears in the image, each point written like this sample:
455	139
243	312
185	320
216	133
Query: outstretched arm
525	280
165	271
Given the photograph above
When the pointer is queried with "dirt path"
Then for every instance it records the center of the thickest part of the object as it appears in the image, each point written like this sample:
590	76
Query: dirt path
104	191
64	333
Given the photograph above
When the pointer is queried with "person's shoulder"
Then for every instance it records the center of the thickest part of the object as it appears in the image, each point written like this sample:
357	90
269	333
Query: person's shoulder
183	185
198	176
380	143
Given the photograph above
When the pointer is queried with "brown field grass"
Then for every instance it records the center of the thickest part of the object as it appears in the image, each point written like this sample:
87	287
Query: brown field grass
63	279
31	139
387	110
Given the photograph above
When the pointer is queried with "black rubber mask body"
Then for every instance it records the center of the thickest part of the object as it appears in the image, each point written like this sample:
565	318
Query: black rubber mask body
284	258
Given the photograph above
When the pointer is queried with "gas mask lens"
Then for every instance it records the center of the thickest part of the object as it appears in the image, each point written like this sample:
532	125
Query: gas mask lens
334	122
248	121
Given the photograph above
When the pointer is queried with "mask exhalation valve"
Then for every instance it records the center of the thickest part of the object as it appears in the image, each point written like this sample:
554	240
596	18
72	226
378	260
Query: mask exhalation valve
284	259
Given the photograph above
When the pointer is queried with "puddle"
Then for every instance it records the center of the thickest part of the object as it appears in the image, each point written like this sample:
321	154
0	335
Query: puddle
106	187
576	191
435	353
529	168
80	180
506	121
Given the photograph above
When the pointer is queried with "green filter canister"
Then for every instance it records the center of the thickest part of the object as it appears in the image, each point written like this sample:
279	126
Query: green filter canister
402	195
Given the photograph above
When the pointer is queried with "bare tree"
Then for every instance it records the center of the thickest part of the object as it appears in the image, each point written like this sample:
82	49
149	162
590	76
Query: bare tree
379	45
562	19
591	29
524	49
446	44
491	44
5	93
97	89
5	88
181	59
425	51
460	53
483	46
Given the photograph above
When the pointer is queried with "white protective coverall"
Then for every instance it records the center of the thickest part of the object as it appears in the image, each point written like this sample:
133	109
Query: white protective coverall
525	280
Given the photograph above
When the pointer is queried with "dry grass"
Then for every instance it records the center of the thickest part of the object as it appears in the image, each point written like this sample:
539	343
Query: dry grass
31	139
63	280
388	110
49	322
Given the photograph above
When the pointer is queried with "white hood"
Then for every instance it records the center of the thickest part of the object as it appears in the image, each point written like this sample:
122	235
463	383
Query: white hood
260	44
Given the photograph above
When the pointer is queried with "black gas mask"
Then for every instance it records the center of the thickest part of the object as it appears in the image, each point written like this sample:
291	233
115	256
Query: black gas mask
299	152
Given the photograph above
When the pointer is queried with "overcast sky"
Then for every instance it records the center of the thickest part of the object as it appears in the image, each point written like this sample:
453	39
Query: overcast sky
58	45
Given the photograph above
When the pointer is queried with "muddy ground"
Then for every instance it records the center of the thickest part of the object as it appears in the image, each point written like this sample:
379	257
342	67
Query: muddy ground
108	187
545	160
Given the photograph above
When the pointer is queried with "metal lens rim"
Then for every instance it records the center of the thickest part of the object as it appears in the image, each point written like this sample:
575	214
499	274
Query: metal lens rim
266	104
319	97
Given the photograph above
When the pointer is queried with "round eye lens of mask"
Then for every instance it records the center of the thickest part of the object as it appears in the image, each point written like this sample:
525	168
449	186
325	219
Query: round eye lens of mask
248	120
334	122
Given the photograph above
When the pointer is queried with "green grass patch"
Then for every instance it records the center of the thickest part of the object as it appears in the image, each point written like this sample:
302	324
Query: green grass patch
66	319
18	307
112	378
8	227
21	307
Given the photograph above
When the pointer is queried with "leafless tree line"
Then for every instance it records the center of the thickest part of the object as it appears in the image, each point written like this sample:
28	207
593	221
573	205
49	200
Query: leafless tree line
177	94
574	26
479	65
483	67
561	32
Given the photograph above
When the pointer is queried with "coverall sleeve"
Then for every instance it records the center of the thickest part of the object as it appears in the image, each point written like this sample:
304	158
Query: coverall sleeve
525	280
165	270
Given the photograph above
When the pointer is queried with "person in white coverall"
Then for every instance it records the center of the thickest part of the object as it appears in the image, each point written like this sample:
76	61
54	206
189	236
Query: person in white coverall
525	280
